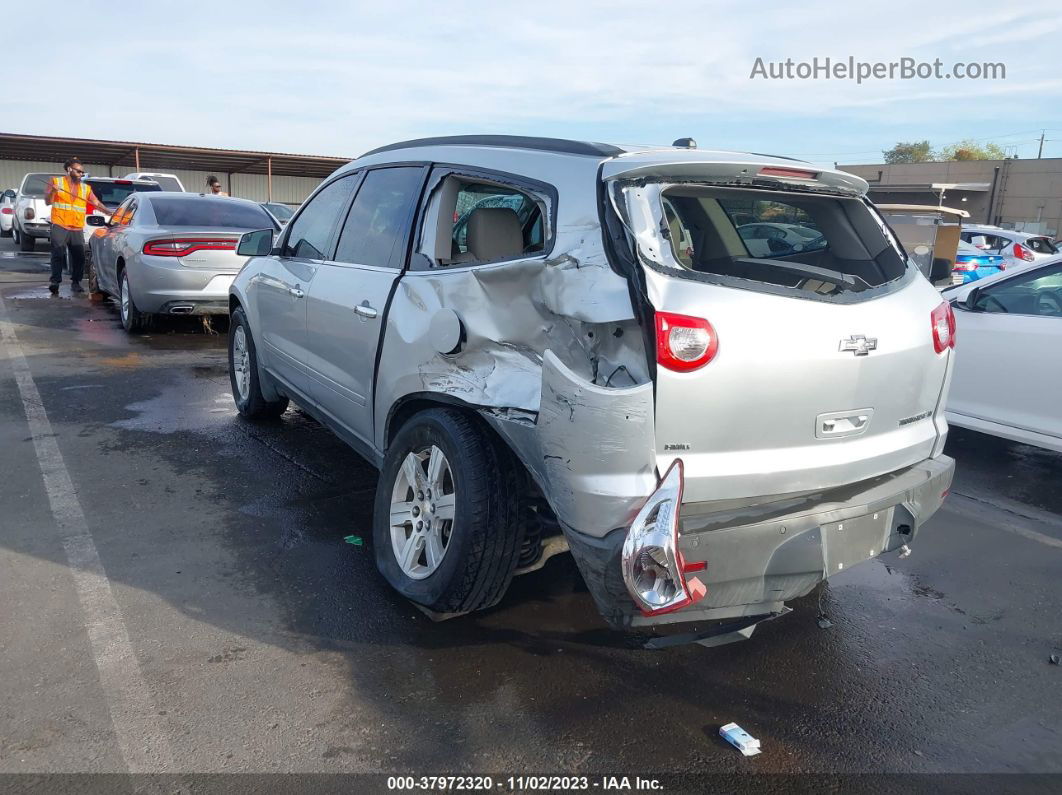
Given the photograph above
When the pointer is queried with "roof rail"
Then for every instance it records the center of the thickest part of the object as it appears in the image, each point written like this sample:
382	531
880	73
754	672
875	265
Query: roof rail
558	145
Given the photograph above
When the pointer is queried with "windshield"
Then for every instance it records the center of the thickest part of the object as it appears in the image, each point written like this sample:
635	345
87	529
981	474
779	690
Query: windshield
281	211
34	184
114	193
811	242
209	211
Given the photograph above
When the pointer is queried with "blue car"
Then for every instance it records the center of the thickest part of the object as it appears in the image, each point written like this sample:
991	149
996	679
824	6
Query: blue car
971	264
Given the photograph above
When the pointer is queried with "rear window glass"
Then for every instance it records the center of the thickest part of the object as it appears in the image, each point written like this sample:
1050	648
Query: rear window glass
111	193
1041	245
34	184
210	212
820	244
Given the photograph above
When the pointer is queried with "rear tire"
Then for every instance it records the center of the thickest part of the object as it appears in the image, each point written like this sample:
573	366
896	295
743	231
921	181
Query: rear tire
25	242
478	484
243	373
133	320
8	233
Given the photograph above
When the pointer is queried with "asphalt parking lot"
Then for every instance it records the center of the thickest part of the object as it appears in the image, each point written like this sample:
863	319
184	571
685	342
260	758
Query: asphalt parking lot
262	641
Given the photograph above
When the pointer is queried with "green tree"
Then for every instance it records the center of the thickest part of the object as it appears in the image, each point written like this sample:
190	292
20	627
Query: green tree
905	152
971	150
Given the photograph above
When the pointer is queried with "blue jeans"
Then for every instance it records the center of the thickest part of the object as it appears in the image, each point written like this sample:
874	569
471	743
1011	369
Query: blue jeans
66	241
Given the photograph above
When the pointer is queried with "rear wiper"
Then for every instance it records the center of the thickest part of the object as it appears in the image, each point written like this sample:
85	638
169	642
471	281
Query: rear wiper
851	281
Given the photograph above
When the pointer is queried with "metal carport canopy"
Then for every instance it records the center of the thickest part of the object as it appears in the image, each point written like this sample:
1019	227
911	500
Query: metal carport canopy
163	157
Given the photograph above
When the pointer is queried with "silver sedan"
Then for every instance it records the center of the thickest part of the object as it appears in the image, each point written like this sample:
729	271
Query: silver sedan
173	253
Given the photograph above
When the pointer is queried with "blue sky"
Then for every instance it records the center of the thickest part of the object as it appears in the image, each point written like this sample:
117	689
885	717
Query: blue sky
340	78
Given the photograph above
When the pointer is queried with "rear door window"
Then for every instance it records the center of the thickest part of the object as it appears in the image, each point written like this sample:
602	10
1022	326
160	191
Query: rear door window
310	234
820	244
377	225
474	220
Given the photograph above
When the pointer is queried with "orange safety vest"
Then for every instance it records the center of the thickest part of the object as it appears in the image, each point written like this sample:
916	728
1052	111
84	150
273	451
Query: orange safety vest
69	206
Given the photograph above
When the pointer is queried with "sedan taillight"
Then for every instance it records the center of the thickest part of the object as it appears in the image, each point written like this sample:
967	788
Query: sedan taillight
942	320
6	211
180	247
684	343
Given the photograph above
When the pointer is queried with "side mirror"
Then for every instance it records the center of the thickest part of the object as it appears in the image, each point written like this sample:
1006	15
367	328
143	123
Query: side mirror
95	220
255	244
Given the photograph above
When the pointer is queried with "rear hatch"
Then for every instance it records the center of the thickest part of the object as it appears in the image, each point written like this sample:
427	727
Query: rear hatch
824	370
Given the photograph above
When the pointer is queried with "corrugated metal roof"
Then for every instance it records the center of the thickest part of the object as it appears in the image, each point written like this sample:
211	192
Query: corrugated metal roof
164	157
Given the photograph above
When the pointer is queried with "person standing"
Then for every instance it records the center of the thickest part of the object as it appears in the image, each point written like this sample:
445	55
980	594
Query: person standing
69	198
214	186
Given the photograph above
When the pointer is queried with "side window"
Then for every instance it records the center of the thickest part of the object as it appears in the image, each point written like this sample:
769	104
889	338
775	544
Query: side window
311	232
1037	292
474	220
378	221
130	212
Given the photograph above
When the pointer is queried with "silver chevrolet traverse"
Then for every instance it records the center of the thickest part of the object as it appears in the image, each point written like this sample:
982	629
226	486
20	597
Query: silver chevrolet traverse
549	345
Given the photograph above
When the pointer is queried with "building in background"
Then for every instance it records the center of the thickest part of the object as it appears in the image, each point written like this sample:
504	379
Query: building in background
1025	195
261	176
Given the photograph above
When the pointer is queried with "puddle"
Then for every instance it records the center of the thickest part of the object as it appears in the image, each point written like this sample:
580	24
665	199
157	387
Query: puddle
185	405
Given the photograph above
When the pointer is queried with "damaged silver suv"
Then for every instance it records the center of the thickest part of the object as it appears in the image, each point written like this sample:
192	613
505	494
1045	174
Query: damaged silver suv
714	377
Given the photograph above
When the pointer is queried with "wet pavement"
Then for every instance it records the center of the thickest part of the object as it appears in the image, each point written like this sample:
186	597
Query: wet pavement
267	643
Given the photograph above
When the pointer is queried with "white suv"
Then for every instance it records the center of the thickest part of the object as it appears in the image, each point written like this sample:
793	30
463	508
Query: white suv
33	218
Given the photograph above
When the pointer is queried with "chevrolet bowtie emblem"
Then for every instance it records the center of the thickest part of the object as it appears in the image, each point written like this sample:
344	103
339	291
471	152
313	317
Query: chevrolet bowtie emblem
858	344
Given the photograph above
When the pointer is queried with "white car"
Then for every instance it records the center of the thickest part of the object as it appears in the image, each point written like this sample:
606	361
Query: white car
7	212
32	215
768	238
169	182
1007	380
1018	249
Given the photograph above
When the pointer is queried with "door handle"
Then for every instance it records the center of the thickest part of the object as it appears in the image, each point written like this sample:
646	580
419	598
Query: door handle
295	291
365	310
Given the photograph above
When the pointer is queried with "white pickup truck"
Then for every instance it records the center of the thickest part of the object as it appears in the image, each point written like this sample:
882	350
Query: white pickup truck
32	215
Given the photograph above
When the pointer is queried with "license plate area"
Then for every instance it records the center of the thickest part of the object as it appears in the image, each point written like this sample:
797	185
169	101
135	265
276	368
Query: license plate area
853	541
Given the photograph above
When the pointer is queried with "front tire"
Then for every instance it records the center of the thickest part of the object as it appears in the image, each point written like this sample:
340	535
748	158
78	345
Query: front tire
448	518
243	373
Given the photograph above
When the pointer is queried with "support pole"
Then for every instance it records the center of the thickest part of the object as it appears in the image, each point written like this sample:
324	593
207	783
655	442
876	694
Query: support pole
136	153
269	178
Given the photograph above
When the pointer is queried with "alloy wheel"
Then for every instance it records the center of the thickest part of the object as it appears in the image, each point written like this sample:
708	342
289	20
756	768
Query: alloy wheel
422	512
241	362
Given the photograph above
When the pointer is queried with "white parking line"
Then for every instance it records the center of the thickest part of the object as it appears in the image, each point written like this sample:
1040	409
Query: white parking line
143	745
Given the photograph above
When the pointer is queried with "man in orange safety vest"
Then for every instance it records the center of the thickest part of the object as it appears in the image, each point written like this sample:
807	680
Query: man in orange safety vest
69	198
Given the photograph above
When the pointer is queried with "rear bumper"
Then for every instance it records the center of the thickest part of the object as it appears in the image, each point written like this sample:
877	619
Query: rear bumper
759	556
35	229
169	288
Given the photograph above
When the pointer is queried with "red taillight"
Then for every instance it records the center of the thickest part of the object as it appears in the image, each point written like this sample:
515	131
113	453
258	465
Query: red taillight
28	214
1023	253
123	182
943	321
181	247
684	343
6	211
964	266
791	173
